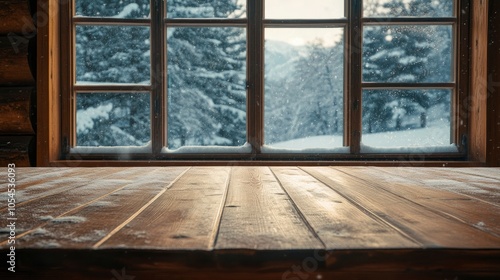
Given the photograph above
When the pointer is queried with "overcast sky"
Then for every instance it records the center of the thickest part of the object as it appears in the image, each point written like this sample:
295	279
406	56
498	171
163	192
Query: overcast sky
301	9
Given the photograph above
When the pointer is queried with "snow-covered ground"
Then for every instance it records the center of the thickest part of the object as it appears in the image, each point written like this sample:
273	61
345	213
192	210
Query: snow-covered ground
431	139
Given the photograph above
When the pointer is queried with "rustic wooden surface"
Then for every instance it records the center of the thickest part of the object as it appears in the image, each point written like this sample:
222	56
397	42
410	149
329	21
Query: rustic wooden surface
255	223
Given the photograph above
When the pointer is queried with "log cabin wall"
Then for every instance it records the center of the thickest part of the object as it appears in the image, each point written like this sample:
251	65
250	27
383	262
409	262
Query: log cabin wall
17	82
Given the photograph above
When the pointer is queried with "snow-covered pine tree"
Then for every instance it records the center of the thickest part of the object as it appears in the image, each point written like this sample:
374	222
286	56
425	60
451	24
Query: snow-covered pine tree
112	54
403	54
206	77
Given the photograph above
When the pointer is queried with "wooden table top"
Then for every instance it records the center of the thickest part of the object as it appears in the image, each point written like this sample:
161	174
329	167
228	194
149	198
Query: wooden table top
393	213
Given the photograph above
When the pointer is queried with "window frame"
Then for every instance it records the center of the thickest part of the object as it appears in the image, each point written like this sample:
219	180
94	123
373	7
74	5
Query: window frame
254	95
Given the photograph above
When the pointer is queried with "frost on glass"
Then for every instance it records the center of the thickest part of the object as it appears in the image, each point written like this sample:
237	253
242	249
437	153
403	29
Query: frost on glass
406	118
408	53
113	8
206	86
408	8
300	9
206	8
113	119
304	88
112	54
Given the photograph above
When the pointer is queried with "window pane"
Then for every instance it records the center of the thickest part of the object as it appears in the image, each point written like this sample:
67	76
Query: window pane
206	86
300	9
408	53
206	9
304	88
113	8
113	119
406	118
408	8
112	54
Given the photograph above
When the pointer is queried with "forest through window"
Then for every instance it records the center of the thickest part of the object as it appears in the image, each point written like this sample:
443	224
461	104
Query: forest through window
199	61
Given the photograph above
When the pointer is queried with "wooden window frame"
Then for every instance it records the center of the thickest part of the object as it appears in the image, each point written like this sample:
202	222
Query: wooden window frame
53	63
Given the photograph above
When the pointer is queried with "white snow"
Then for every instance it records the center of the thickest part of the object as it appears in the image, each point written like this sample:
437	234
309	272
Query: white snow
246	148
112	150
69	219
425	140
85	118
127	10
270	149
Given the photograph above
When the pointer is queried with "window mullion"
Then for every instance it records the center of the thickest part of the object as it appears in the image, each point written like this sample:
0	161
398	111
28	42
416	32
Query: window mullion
353	100
255	72
157	82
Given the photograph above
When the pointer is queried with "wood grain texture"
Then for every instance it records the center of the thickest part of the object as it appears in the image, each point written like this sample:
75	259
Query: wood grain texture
463	209
16	17
491	173
339	223
17	109
14	64
479	81
98	218
266	223
48	84
480	188
425	226
60	197
186	216
259	215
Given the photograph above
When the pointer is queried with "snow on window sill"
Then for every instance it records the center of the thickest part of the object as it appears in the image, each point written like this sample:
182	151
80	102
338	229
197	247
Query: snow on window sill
112	150
245	149
275	150
452	148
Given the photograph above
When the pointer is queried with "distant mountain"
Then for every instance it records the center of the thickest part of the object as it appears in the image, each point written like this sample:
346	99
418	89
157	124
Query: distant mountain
279	58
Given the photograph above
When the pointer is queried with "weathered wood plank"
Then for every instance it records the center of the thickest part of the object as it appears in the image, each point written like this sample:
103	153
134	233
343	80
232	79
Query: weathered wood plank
491	173
339	224
428	228
186	216
258	214
481	188
51	184
84	227
69	197
449	204
16	107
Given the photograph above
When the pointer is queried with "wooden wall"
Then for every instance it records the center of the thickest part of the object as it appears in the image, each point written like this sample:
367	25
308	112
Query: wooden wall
17	82
493	123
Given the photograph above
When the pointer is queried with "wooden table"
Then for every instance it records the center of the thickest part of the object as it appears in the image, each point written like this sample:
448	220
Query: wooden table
254	223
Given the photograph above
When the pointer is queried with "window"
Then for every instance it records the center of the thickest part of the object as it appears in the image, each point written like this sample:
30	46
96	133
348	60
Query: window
268	79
